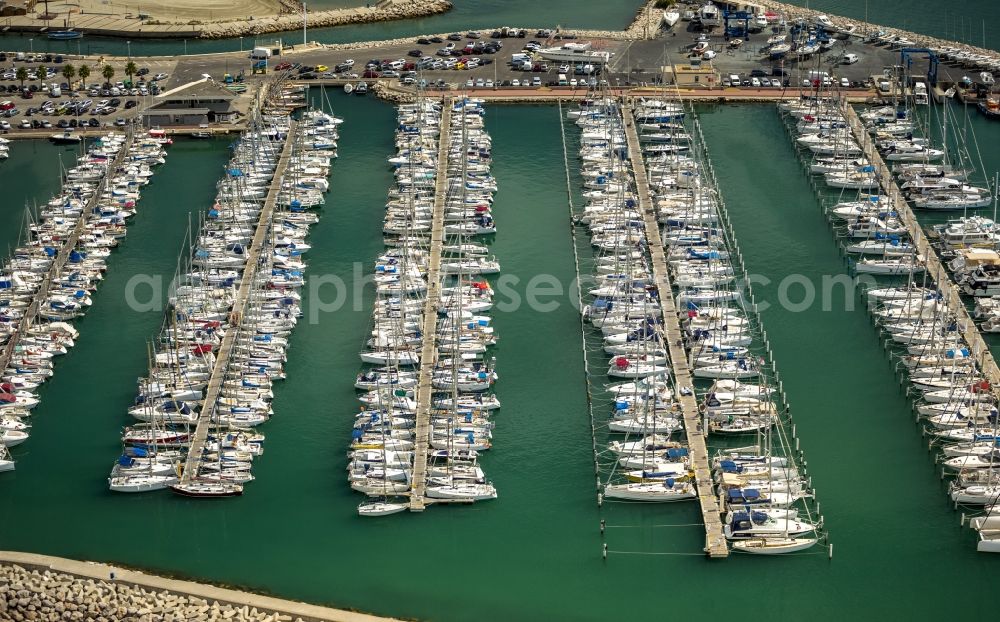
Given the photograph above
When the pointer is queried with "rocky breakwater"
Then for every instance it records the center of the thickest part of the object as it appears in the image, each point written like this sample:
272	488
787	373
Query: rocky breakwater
48	596
46	589
646	25
385	11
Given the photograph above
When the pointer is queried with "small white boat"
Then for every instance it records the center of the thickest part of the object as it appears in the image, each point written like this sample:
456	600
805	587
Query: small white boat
380	508
348	88
12	438
902	265
655	492
141	482
774	546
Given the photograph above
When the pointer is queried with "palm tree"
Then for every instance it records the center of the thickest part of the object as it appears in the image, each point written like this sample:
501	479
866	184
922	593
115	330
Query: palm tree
22	75
41	73
69	72
84	73
130	70
108	72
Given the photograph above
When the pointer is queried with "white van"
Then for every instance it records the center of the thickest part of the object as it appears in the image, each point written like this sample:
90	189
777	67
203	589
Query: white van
260	54
562	80
55	91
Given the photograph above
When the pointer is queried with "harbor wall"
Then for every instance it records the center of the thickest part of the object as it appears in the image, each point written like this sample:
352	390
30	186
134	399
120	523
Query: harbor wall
387	10
44	588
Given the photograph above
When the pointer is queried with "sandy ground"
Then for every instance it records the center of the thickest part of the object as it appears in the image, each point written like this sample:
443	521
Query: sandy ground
167	10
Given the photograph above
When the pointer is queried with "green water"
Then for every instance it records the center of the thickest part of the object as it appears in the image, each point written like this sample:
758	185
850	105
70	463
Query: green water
30	175
466	14
533	554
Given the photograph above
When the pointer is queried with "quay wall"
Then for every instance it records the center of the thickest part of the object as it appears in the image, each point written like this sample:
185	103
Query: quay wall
49	589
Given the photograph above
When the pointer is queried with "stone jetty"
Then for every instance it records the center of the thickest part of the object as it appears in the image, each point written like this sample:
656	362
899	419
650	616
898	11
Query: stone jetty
39	588
135	28
387	10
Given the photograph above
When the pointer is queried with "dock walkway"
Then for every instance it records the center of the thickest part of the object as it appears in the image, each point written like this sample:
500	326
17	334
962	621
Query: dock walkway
935	269
431	304
715	542
54	271
224	353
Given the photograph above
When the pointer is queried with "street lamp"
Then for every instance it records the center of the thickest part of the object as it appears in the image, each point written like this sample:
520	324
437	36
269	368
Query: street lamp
129	45
31	45
241	44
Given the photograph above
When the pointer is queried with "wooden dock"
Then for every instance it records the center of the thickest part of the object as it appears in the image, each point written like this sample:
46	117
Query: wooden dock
224	353
429	329
59	262
935	269
715	541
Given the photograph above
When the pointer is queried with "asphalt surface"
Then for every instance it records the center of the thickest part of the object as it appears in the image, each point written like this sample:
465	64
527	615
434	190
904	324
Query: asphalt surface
633	63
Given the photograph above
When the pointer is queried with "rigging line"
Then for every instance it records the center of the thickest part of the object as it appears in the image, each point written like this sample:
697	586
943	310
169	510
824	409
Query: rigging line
701	554
658	525
579	295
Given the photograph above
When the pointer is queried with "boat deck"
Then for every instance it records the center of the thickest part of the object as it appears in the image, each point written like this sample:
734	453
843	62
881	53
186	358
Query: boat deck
429	328
225	350
61	258
980	351
715	542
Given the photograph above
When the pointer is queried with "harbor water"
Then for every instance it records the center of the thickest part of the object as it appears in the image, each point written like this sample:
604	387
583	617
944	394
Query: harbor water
534	553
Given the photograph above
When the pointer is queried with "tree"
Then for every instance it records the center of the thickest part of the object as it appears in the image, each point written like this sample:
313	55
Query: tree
69	72
108	72
130	70
84	73
22	75
41	73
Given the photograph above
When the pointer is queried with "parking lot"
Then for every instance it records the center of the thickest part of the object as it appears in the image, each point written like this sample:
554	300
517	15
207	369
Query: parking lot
46	91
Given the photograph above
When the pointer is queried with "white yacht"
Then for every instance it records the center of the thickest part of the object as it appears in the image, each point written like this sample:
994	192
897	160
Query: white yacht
575	53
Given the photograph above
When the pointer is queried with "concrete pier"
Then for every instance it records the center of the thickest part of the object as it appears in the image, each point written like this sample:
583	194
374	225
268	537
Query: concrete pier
224	353
935	269
715	541
429	328
59	262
